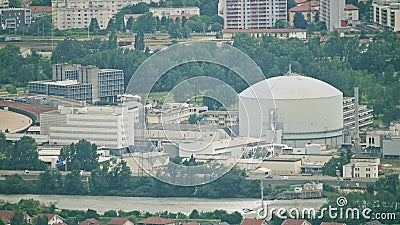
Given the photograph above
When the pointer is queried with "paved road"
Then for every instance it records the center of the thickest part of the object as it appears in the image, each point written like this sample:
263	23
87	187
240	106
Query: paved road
32	175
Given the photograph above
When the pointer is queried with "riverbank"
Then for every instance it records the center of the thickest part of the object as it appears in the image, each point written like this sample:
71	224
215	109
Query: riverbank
157	204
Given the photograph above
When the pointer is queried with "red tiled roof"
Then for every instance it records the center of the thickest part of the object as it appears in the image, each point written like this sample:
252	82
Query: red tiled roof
313	6
350	7
91	221
6	215
190	223
252	221
365	41
118	221
155	220
293	222
332	223
134	16
36	9
49	216
283	30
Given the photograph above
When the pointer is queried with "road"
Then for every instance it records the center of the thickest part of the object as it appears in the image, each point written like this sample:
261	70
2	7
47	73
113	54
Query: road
33	175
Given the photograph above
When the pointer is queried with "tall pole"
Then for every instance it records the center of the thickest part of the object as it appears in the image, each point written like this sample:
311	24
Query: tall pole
357	125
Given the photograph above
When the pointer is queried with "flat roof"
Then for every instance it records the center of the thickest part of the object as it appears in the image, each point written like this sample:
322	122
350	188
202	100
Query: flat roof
281	160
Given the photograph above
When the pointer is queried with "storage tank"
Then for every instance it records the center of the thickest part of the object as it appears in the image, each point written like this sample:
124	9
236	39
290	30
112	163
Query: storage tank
298	108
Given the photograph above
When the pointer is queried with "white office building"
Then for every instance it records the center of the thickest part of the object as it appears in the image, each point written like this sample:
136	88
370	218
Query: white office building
109	126
332	13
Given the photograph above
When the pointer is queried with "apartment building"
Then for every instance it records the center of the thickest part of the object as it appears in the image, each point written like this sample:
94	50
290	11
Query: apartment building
332	13
109	126
68	14
174	12
386	13
15	19
249	14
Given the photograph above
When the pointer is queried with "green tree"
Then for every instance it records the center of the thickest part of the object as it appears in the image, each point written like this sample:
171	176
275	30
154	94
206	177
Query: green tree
50	181
15	184
11	89
94	26
110	213
80	156
299	21
18	219
24	155
40	220
139	41
281	24
73	183
15	3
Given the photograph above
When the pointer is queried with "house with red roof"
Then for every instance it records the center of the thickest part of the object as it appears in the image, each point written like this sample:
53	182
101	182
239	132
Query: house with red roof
351	14
40	11
295	222
6	216
52	219
253	221
309	10
156	221
120	221
90	221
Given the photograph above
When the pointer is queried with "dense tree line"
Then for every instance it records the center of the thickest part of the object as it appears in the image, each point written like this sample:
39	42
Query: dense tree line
179	28
22	155
17	69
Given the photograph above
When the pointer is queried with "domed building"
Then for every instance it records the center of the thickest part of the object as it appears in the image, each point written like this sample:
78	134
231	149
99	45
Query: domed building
292	109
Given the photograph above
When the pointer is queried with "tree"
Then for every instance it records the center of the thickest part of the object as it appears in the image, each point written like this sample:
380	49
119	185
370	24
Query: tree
94	26
73	183
139	41
110	213
49	181
18	219
15	4
299	21
24	155
40	220
80	156
281	24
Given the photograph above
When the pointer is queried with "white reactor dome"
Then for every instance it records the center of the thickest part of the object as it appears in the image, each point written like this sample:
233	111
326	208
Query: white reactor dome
292	109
